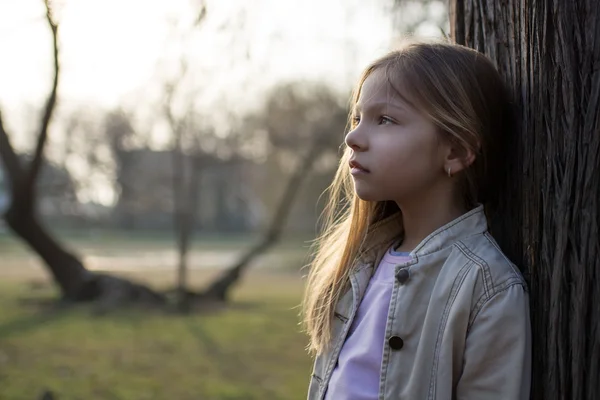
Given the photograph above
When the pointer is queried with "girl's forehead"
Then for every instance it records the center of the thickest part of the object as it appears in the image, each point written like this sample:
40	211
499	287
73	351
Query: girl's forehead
377	88
376	81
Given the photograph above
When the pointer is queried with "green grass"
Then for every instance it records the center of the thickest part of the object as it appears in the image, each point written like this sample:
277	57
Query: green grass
253	349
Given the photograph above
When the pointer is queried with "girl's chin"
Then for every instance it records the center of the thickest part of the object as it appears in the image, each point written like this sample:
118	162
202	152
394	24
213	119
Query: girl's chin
365	195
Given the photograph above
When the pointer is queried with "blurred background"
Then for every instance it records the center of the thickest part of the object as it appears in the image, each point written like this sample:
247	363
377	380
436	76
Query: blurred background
159	251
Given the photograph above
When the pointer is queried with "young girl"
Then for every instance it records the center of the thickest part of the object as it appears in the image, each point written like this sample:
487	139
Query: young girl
409	297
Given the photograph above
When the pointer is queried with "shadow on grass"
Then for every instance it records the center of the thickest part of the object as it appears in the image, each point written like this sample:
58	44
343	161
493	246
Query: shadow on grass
217	352
47	311
43	310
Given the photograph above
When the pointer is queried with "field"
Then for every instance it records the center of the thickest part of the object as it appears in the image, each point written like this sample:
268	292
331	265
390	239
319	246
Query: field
250	349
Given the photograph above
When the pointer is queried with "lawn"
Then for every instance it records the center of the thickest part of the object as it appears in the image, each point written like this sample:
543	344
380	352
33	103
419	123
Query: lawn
252	349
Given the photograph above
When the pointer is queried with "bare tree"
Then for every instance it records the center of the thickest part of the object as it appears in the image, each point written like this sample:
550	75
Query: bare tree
21	217
549	53
186	175
75	281
186	179
307	121
188	161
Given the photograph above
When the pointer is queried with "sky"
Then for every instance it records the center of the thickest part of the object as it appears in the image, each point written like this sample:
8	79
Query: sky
120	53
112	49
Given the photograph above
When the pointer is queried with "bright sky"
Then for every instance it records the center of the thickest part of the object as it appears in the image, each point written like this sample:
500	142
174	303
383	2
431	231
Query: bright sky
120	52
116	48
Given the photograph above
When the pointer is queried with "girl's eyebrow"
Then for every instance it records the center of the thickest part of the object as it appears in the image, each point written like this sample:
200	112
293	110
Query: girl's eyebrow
377	106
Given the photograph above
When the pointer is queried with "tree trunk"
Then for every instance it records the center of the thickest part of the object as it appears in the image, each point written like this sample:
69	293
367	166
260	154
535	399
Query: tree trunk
75	281
186	204
549	53
220	287
68	271
180	216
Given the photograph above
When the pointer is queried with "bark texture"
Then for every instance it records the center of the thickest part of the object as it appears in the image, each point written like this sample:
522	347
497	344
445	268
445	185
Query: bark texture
548	51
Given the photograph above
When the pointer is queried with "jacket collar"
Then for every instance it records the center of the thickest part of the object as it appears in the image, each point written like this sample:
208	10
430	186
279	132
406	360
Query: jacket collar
386	231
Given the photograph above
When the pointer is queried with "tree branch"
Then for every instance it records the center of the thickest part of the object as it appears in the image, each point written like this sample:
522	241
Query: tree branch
219	288
48	110
9	158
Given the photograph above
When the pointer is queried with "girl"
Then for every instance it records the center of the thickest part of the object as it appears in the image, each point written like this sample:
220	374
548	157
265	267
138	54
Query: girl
409	297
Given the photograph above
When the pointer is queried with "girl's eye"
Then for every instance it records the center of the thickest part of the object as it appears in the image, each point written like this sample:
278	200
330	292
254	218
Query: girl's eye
383	120
356	120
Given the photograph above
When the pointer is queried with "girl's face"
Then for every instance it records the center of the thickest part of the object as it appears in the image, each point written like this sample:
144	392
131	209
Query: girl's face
397	153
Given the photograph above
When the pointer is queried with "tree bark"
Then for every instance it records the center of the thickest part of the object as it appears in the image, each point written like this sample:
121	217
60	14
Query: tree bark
548	51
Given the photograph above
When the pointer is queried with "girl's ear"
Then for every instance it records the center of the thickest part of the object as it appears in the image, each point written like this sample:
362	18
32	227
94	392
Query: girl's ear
458	158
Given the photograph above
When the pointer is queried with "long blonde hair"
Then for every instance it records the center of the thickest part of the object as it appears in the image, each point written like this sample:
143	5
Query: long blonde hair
463	95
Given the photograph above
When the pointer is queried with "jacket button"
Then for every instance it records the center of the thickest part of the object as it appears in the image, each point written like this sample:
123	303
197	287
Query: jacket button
402	276
396	342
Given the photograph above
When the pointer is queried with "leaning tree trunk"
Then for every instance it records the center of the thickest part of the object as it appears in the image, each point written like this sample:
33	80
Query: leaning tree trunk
549	53
21	217
74	280
220	288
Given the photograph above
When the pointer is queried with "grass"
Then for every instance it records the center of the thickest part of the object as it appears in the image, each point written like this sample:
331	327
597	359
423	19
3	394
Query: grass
252	349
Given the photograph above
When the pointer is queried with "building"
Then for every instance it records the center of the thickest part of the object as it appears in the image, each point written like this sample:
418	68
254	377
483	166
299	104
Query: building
225	200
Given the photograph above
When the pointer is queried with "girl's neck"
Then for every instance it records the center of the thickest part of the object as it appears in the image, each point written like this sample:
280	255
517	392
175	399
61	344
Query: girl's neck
420	219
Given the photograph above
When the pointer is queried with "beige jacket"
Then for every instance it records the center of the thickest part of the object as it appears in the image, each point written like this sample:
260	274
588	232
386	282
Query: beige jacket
458	325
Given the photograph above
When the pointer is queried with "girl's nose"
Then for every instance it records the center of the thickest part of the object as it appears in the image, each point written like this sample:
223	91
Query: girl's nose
356	140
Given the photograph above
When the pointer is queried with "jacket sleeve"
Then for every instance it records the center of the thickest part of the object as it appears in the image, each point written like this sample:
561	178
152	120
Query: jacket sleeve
497	356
